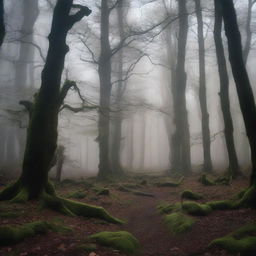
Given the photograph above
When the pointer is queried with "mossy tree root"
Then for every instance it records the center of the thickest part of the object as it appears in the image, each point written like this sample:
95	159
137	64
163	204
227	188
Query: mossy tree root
241	241
12	235
245	199
72	208
18	193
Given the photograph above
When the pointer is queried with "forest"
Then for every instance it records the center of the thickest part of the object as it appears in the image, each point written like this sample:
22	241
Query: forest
127	127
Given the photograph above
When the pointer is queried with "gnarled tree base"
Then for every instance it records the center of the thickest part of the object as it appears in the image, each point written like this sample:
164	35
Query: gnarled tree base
18	193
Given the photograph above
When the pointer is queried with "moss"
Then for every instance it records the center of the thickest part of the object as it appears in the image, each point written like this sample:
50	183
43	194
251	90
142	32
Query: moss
87	210
196	209
223	180
12	235
166	208
11	215
121	240
221	205
10	191
103	192
21	197
240	194
187	194
206	181
170	183
178	222
90	247
77	195
241	241
248	200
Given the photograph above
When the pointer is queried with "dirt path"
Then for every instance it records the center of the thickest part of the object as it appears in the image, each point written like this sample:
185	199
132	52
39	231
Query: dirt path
143	221
147	225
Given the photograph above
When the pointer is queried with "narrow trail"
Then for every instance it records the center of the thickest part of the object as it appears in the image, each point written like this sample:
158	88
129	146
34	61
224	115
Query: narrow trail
147	225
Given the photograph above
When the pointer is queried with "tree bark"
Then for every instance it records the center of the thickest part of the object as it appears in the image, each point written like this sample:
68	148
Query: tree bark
202	90
243	86
2	25
224	93
42	131
117	121
248	40
104	71
181	159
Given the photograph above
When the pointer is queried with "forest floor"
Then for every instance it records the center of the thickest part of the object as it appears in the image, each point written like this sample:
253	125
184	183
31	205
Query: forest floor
142	219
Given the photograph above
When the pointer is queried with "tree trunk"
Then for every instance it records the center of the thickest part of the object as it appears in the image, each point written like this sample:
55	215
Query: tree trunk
42	131
181	160
243	86
105	92
2	25
26	51
248	40
202	90
224	93
117	122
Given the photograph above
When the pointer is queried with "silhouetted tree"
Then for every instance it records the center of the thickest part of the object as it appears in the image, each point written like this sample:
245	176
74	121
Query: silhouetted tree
118	117
42	131
244	90
181	159
2	25
202	90
224	93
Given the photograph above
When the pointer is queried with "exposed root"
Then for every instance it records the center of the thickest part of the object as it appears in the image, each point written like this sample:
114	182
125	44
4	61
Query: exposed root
10	191
13	234
48	199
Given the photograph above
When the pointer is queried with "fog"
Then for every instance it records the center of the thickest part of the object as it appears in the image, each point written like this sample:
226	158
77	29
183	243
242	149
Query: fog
146	105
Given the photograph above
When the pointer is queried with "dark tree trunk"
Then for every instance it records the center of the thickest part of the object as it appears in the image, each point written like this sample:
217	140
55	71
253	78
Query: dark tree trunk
59	162
248	40
202	90
42	131
2	25
224	93
104	71
181	160
243	86
117	122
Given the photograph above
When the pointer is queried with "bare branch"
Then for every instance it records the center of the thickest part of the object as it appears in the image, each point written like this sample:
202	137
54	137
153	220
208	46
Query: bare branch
83	11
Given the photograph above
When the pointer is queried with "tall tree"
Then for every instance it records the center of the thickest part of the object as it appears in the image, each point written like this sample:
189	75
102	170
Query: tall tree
248	40
202	90
104	70
2	25
224	93
117	119
181	159
42	132
244	90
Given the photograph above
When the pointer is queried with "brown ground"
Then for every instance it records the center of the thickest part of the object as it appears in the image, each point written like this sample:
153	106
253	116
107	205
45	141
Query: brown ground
143	221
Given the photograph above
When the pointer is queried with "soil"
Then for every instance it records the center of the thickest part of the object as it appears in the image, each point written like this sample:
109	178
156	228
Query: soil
142	220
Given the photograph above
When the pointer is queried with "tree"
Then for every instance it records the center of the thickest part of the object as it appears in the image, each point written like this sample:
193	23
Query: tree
181	159
42	131
244	90
248	40
2	25
117	119
202	90
224	93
